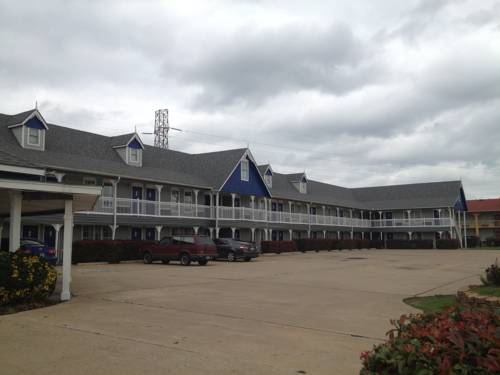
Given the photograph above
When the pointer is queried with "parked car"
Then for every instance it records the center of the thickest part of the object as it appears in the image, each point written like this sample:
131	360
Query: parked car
185	249
33	247
232	249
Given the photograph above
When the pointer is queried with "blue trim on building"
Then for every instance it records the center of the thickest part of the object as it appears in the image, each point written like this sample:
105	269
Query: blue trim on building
35	123
135	144
254	185
461	203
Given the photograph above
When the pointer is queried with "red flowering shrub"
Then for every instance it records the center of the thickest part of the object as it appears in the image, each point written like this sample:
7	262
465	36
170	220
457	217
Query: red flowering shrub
454	341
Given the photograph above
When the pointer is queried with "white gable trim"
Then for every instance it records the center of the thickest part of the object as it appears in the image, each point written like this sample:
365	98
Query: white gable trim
134	136
33	114
252	160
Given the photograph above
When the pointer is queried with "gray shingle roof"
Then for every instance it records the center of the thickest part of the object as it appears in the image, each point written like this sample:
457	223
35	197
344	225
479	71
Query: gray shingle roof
121	140
70	149
422	195
18	118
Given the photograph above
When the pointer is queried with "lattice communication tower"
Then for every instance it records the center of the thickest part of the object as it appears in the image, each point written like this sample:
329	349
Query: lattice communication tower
161	128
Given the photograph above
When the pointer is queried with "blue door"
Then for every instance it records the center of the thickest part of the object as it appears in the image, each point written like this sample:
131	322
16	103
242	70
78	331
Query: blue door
30	232
280	207
136	192
207	200
280	235
150	234
273	206
151	194
136	234
49	236
274	236
150	208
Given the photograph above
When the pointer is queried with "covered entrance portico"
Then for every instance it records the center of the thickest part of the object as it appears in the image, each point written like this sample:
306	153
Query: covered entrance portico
24	196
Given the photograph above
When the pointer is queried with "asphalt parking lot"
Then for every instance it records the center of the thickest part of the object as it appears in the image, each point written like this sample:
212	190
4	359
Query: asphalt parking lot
281	314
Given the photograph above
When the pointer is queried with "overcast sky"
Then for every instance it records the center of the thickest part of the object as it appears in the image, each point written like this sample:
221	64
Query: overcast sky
356	93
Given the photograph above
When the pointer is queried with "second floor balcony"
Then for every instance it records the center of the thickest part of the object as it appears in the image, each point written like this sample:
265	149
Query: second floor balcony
138	207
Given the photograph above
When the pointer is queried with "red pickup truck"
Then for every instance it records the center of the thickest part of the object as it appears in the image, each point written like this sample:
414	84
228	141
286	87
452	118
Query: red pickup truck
185	249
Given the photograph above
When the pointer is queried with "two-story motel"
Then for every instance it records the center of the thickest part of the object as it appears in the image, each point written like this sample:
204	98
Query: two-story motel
149	193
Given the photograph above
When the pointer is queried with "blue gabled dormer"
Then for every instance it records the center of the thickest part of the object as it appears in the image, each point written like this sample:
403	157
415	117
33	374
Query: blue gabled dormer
245	179
29	128
129	147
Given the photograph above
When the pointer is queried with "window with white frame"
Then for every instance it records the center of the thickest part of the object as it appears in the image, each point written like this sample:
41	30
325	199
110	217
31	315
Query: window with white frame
134	155
107	189
33	136
244	170
106	233
87	232
175	196
303	187
269	180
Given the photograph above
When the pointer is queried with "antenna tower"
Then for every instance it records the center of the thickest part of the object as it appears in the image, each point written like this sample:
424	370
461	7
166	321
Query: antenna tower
161	128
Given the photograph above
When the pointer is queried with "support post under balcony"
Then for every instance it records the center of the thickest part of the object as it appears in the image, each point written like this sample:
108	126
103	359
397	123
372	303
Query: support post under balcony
233	197
451	222
465	230
252	198
158	232
158	199
195	191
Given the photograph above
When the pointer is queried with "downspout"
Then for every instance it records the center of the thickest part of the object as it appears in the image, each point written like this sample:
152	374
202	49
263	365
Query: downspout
115	193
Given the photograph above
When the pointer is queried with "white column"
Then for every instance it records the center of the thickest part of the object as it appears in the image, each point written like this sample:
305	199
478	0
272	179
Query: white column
459	228
409	235
195	191
338	232
57	228
158	199
16	203
233	196
158	232
113	231
465	231
211	230
324	232
252	198
371	236
451	222
253	234
290	232
217	215
195	229
67	250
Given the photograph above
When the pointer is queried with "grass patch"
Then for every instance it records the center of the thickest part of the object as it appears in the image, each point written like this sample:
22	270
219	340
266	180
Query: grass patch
432	304
484	248
487	290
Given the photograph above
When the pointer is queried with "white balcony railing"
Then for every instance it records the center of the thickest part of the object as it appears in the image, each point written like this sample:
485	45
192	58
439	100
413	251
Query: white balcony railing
415	222
137	207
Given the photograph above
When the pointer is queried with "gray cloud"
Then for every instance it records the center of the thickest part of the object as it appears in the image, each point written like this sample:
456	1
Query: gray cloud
355	94
253	65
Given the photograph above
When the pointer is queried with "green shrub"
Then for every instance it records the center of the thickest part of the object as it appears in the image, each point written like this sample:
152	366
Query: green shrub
492	275
25	278
450	342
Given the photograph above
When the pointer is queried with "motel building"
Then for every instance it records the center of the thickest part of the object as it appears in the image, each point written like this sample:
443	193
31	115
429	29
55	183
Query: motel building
59	184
